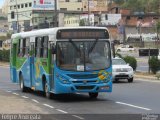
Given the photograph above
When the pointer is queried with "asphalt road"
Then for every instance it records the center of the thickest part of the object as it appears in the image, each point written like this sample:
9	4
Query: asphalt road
140	97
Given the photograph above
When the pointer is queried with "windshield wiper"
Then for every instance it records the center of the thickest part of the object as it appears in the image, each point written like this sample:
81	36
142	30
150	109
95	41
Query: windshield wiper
93	46
74	45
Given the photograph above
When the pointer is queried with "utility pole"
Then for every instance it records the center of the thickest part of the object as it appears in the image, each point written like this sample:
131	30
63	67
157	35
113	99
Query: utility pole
88	14
17	17
55	9
159	8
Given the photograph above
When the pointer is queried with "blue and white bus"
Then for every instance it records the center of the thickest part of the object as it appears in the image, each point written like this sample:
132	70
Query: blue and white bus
62	60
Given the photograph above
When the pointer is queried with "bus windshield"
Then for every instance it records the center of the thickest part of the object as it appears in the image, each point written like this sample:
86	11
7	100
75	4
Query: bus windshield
83	55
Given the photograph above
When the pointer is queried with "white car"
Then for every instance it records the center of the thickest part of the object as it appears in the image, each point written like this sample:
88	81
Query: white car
125	48
121	70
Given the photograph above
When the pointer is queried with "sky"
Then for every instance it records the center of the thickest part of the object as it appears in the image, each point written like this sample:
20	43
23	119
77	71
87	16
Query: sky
1	3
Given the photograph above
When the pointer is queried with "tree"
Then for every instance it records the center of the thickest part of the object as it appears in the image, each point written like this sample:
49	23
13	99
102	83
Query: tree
158	26
139	5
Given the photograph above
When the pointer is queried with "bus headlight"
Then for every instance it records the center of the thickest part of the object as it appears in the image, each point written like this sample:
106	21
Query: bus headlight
63	79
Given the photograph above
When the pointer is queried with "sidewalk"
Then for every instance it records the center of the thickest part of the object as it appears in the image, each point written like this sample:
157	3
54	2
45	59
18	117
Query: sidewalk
6	64
12	104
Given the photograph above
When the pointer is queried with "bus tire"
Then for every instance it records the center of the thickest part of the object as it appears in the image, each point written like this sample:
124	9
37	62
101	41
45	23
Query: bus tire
21	83
46	92
93	95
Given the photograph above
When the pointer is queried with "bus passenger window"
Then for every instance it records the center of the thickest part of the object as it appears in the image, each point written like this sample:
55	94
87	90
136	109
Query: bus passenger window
26	47
18	47
45	47
38	46
20	53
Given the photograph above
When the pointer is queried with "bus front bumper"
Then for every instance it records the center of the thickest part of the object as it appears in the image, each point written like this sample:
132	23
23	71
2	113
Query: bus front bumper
73	88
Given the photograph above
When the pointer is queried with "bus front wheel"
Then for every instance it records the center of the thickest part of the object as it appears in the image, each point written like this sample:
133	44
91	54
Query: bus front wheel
47	93
21	83
93	95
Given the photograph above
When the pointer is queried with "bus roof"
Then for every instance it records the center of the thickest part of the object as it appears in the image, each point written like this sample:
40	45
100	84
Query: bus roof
50	31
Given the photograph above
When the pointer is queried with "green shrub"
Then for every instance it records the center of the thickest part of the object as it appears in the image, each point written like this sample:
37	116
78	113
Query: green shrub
4	55
154	64
131	61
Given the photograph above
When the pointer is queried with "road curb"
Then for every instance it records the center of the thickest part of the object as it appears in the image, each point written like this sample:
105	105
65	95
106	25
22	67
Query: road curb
145	77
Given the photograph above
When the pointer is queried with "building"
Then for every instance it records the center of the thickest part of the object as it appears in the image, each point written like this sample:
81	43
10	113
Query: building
3	24
24	15
82	8
70	5
5	7
19	14
95	5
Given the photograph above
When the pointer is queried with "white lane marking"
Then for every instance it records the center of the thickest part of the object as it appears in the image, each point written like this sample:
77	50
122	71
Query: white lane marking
153	81
15	93
25	97
8	91
81	118
61	111
48	105
35	100
133	106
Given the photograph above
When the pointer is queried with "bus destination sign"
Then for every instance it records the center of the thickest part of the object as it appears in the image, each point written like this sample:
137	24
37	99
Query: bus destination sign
83	34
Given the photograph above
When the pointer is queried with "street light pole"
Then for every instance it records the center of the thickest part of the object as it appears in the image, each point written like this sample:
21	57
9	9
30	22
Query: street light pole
156	29
140	31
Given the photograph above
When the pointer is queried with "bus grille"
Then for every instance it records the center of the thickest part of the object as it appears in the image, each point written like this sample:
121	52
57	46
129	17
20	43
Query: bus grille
84	87
83	76
87	81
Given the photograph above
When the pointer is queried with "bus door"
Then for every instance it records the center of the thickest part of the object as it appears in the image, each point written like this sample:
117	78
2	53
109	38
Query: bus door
53	56
32	68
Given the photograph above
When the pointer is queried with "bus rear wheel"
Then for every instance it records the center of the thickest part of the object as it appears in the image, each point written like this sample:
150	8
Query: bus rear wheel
93	95
21	83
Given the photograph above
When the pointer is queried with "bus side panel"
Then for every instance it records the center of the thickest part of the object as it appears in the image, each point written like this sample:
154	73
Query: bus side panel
26	72
40	70
13	74
13	63
23	66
